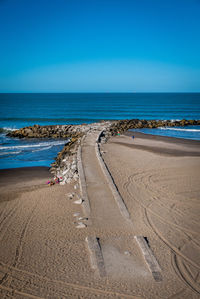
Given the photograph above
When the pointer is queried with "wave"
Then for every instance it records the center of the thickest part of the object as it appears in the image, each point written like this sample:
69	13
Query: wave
6	129
9	153
42	149
182	130
42	144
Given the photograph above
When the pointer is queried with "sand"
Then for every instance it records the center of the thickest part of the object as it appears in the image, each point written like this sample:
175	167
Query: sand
43	248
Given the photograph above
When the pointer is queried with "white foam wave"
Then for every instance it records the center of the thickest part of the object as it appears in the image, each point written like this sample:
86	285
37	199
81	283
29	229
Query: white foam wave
9	153
9	129
183	130
42	144
175	119
42	149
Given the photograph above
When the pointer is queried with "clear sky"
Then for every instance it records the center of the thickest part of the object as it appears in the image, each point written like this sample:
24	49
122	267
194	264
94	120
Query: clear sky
99	45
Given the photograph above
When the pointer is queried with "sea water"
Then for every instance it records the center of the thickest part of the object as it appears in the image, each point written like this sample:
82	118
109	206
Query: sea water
20	110
189	132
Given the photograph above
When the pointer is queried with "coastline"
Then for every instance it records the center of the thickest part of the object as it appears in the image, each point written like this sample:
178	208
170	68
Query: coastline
65	164
25	177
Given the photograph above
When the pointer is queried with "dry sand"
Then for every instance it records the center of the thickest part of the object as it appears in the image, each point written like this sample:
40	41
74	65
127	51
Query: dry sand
44	255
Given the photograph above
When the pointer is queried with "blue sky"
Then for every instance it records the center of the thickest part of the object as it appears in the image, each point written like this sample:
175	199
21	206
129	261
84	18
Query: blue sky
97	45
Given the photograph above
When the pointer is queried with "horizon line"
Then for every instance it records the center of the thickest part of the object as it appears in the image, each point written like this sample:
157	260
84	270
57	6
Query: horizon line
93	92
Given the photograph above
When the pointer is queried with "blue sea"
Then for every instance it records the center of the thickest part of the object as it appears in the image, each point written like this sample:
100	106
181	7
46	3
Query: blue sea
20	110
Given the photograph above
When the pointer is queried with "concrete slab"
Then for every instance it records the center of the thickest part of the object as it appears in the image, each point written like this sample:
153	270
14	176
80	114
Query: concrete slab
149	258
96	257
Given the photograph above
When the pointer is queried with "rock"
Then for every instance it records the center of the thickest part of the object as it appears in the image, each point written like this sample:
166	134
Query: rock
83	218
76	176
81	225
71	195
68	181
78	201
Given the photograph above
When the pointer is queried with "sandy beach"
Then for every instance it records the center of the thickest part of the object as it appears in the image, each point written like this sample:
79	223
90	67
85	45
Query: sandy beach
44	232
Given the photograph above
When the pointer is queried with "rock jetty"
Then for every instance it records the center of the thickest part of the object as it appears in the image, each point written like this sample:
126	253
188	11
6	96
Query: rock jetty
66	131
65	165
124	125
37	131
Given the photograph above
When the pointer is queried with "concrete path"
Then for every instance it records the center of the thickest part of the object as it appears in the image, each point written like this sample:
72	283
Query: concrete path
113	231
105	212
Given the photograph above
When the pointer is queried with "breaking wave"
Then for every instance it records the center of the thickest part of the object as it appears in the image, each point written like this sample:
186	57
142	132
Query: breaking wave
6	130
37	145
182	130
9	153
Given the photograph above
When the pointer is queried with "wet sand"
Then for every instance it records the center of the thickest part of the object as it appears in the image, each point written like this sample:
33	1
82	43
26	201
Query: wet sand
19	176
44	255
15	181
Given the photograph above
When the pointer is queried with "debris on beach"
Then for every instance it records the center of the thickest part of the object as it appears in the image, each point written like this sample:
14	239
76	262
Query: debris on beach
56	180
83	218
50	183
127	253
81	225
78	201
70	195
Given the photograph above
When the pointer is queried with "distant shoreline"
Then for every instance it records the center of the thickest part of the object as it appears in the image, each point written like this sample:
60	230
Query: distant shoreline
162	138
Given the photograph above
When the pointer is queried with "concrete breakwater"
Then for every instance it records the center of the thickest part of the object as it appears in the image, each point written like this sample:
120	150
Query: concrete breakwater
65	165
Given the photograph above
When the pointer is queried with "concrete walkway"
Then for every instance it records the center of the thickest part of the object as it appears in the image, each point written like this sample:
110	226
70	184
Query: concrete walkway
105	212
112	233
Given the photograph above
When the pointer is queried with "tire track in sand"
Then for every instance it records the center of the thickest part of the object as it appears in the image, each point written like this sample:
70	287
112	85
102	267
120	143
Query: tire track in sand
148	206
7	217
19	247
180	261
54	285
181	269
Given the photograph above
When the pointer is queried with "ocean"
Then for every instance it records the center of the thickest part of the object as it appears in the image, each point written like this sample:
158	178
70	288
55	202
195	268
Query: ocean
20	110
